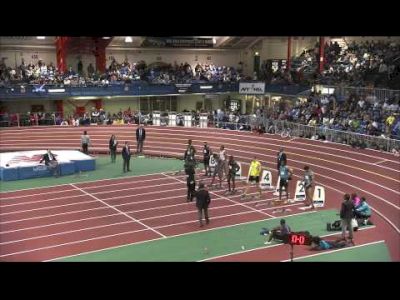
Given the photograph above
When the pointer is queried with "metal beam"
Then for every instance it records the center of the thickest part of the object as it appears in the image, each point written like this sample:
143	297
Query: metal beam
254	42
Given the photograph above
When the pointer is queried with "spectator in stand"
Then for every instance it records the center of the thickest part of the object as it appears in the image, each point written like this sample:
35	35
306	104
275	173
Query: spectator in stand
90	70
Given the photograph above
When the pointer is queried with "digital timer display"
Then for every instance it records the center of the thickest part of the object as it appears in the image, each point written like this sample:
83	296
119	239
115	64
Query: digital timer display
299	239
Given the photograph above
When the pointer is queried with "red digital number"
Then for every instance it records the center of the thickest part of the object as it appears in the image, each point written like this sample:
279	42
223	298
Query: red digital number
298	239
294	239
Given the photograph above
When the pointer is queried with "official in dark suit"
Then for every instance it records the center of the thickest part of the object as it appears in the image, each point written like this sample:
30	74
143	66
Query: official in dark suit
202	202
113	144
126	156
51	162
346	215
140	137
281	157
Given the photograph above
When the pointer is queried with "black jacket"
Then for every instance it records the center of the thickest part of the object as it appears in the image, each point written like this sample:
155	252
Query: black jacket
347	210
233	167
202	198
191	182
280	159
46	159
206	152
126	152
143	135
111	145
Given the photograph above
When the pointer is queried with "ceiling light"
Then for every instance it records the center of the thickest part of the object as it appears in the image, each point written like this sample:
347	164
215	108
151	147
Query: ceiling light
128	39
257	53
41	37
214	41
106	37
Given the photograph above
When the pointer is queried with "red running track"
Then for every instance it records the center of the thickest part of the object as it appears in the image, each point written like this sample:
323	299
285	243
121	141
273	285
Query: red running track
337	167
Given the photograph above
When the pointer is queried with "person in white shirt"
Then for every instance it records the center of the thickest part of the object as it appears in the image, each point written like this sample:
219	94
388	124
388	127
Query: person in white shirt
224	162
85	142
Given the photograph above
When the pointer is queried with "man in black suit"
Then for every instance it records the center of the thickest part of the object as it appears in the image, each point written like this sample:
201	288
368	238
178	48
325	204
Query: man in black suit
346	215
140	137
202	202
126	155
51	162
281	157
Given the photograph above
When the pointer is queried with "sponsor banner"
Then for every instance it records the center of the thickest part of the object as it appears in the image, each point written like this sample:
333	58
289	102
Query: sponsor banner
252	88
178	42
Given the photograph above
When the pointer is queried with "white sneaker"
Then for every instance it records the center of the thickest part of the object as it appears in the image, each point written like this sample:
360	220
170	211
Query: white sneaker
268	243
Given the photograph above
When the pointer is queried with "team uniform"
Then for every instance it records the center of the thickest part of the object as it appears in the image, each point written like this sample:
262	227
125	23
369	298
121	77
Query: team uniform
284	181
255	171
218	170
233	168
206	161
191	185
308	183
308	179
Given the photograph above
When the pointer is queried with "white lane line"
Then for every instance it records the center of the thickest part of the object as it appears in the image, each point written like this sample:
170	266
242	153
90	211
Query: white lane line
135	231
66	232
116	209
271	246
220	134
336	250
86	181
118	205
223	197
379	162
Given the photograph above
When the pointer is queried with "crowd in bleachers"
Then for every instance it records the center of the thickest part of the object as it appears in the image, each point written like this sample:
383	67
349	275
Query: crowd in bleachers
359	64
363	114
116	73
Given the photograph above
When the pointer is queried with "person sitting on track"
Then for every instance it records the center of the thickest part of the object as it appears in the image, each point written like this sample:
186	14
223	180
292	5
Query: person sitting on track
278	233
233	168
254	177
363	211
218	170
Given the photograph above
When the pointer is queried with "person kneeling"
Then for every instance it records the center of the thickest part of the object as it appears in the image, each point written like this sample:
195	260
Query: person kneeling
363	212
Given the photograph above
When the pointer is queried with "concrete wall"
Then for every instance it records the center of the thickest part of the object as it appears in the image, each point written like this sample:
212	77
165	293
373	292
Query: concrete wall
73	59
14	57
276	47
24	106
218	57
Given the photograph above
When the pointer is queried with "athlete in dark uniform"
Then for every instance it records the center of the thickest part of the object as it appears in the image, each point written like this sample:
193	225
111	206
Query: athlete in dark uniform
233	168
206	161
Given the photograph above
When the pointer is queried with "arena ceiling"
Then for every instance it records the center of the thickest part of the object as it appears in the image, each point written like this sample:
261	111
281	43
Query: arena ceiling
219	42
